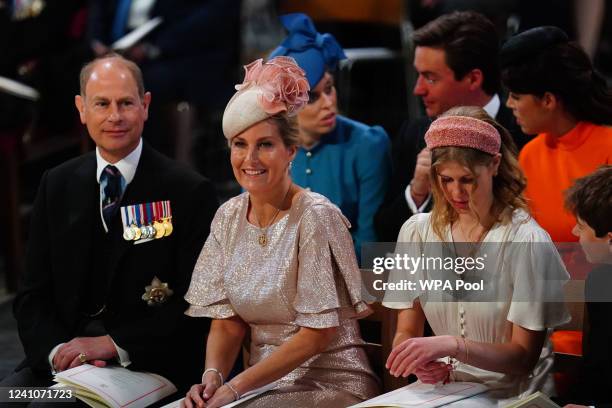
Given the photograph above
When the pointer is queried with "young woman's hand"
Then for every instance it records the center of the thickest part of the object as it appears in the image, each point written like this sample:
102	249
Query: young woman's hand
415	352
433	372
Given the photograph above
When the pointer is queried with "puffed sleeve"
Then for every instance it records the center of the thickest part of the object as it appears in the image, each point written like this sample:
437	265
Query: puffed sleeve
329	280
538	275
410	243
206	295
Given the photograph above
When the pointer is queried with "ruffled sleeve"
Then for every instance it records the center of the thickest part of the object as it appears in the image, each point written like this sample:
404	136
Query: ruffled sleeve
206	295
329	280
538	275
409	242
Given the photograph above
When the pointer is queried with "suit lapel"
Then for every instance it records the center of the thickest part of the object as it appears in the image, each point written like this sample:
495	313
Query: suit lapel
82	200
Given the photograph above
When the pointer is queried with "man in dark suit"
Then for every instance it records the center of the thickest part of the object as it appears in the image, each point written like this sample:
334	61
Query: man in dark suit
92	292
456	59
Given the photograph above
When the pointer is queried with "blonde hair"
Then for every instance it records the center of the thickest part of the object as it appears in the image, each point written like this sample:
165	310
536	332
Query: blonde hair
508	184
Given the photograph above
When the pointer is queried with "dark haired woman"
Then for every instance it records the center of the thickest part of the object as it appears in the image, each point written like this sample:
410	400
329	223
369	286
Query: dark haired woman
556	95
347	161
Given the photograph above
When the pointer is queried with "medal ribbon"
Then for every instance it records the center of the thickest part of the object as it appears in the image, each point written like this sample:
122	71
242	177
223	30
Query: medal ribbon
134	215
149	213
137	207
125	217
143	215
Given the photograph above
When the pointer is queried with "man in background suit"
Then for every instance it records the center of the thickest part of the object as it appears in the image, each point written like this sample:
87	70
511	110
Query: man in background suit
456	59
92	292
191	56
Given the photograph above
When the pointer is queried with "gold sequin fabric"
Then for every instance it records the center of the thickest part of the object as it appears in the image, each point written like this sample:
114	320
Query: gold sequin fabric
306	276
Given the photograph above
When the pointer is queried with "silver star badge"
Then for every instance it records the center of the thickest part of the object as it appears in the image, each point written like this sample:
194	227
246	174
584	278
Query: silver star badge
157	292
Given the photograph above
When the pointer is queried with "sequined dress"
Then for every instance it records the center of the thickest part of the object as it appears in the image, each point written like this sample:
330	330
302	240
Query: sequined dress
306	276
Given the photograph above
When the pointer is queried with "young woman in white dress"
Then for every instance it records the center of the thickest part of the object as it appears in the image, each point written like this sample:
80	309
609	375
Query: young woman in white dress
500	339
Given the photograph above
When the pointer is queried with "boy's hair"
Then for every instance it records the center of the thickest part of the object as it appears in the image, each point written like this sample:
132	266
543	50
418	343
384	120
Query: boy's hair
590	199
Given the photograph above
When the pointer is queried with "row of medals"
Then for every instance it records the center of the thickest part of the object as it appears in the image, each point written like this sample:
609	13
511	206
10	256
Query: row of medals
159	229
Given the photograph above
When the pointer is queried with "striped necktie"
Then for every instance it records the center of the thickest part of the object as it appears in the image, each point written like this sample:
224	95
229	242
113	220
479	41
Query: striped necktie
110	181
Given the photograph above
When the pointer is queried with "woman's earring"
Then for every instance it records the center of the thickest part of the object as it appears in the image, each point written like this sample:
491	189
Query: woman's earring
290	165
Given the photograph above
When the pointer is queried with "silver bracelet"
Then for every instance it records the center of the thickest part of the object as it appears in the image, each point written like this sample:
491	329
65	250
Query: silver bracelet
236	395
214	370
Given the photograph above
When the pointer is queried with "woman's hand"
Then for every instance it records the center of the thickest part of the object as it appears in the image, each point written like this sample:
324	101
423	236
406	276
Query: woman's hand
433	372
199	394
416	352
223	396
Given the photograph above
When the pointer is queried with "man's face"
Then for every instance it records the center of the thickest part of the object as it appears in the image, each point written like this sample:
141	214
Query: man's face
436	83
112	110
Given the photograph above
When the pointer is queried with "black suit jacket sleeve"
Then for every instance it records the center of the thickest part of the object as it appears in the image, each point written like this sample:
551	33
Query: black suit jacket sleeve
395	211
136	337
35	308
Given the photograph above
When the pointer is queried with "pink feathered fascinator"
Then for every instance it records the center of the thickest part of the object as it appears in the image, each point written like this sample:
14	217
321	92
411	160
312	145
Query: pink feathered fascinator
278	85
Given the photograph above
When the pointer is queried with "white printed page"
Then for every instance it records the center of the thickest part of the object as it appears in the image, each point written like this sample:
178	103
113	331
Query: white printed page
424	395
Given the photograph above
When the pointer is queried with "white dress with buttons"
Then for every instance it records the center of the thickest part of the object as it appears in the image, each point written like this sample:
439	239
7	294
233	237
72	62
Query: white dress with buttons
492	321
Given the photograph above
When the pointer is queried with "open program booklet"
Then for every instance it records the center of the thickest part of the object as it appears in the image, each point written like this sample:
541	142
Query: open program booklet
424	395
114	386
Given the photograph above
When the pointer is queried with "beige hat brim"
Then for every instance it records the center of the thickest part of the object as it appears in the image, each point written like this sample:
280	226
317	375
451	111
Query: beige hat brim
243	111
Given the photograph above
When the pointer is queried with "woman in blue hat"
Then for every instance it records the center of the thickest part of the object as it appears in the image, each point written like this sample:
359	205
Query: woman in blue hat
345	160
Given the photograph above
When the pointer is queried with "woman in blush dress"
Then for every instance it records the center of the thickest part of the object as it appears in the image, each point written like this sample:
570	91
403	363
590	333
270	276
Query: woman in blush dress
279	265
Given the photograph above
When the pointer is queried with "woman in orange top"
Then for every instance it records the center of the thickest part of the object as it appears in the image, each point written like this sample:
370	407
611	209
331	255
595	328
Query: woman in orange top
556	94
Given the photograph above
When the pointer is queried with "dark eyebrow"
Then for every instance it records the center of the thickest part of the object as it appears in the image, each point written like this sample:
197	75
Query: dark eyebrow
264	138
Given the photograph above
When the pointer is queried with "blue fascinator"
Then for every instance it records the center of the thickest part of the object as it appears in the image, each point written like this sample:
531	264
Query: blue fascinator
314	52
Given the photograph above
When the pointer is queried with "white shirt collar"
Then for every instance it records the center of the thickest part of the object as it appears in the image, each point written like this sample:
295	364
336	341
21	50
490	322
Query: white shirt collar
127	165
492	107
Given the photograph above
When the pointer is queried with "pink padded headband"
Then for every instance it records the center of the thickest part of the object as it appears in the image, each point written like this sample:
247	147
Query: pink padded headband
463	131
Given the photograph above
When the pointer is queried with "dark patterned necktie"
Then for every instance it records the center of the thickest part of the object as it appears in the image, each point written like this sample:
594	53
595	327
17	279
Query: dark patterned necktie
110	180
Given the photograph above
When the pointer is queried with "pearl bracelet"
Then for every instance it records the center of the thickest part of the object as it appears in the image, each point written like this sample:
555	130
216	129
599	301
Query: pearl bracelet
214	370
